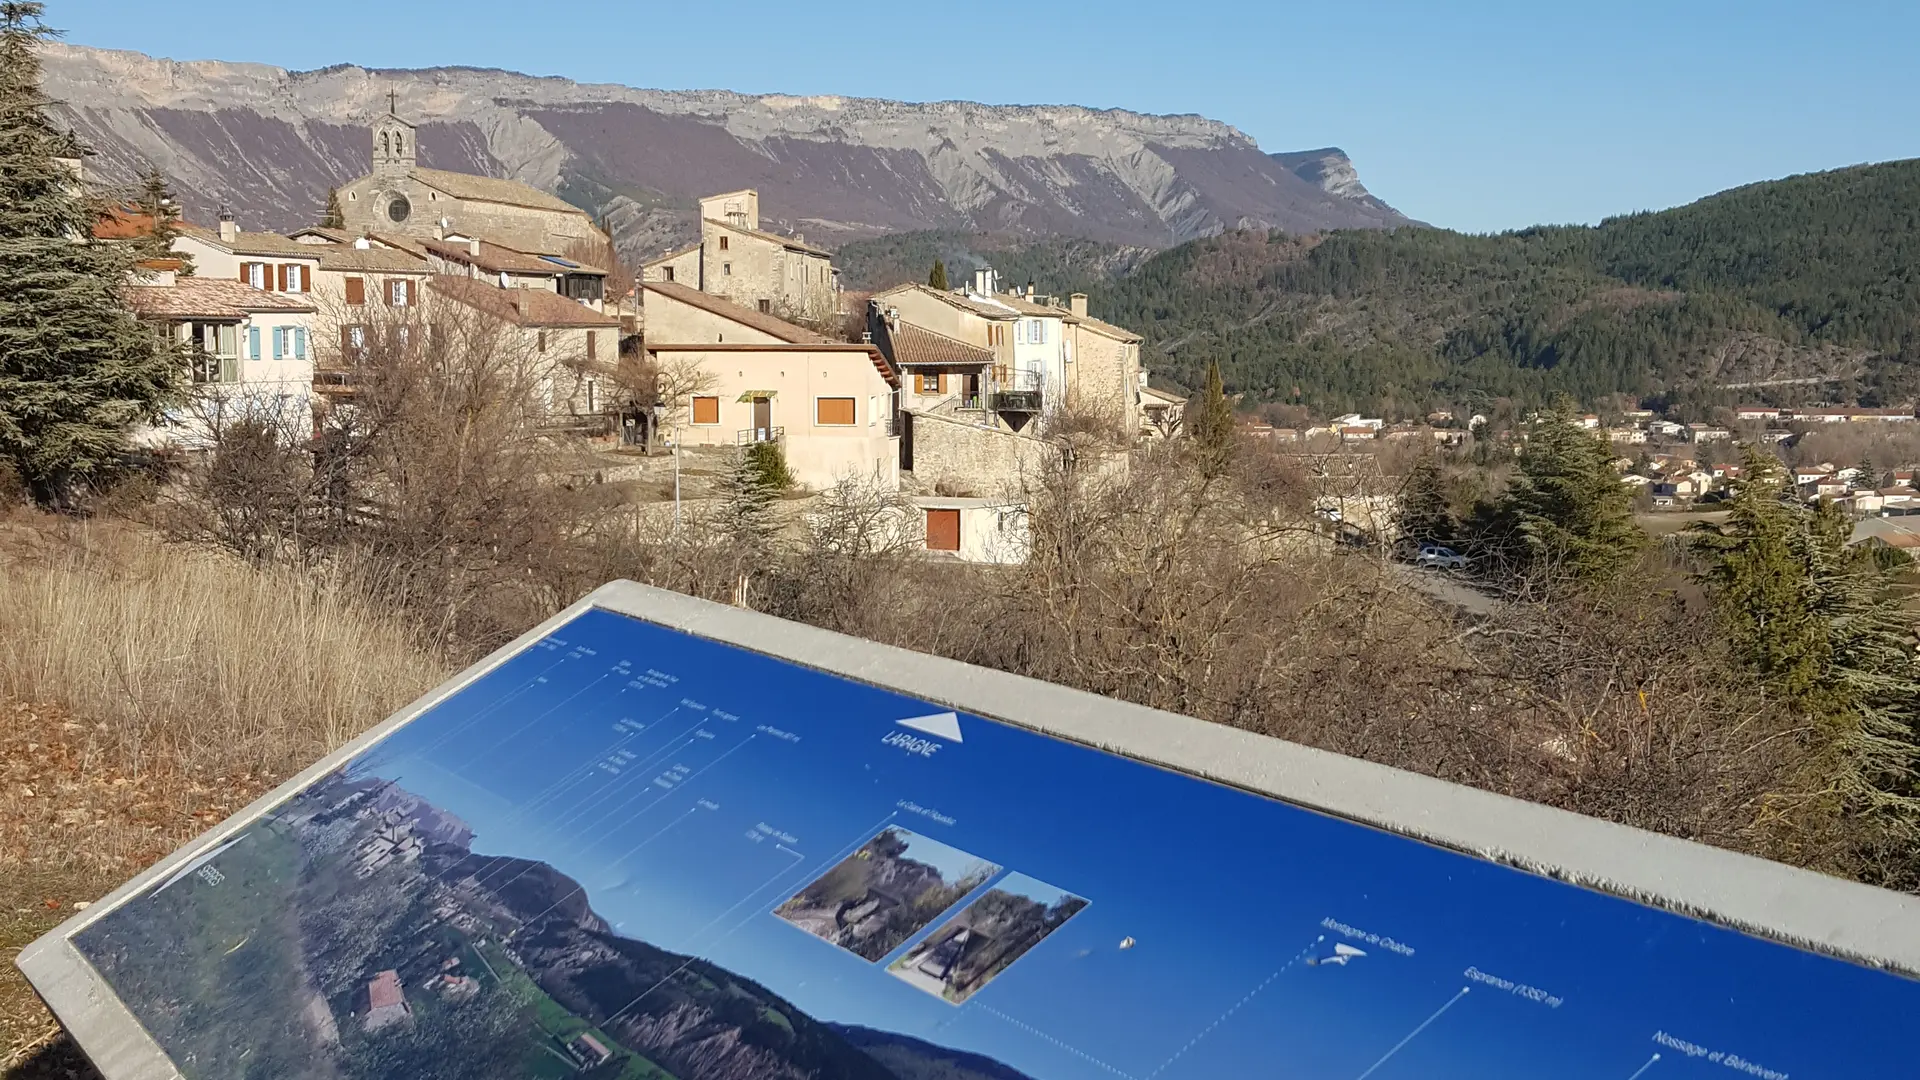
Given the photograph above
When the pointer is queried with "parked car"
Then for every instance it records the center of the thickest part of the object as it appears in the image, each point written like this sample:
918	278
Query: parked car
1435	557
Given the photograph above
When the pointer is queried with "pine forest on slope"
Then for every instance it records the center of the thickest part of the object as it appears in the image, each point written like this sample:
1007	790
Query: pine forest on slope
1801	289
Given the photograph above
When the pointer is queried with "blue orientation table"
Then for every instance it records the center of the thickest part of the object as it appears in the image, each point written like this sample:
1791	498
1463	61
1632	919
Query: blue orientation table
627	851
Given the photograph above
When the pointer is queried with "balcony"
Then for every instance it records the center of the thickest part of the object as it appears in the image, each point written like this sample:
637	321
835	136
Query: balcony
1014	391
749	436
1015	401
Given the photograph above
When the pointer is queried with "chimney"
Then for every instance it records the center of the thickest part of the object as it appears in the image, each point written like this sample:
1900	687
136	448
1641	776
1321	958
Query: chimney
362	244
1078	301
473	247
983	281
1031	291
799	238
229	231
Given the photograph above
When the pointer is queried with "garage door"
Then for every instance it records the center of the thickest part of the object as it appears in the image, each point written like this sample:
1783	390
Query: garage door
943	530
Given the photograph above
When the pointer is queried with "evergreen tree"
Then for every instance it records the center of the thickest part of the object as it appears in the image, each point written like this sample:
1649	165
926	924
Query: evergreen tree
332	216
1208	418
1569	510
937	277
1425	516
1823	629
746	502
156	201
76	370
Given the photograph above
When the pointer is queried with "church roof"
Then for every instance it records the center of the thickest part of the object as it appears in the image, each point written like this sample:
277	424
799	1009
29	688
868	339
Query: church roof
492	189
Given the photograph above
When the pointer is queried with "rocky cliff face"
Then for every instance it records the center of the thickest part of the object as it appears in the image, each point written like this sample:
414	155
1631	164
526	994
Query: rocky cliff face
269	142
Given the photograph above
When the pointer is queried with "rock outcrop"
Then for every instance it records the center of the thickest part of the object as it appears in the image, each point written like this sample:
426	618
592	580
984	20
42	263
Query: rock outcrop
268	142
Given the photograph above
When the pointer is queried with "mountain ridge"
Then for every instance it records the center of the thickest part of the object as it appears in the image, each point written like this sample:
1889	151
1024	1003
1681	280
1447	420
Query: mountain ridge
268	141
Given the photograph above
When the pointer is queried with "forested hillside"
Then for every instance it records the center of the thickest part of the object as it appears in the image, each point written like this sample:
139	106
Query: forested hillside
1800	289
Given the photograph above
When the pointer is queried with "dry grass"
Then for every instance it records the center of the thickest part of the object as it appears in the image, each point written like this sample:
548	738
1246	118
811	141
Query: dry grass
146	693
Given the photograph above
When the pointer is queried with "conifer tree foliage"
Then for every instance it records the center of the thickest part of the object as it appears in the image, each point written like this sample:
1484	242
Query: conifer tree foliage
76	370
156	201
1823	630
1568	510
937	277
746	497
1209	421
332	216
1425	516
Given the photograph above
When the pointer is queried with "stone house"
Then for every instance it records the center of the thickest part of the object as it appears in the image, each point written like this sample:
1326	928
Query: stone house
250	353
1162	413
1104	375
576	347
356	280
399	196
763	271
745	377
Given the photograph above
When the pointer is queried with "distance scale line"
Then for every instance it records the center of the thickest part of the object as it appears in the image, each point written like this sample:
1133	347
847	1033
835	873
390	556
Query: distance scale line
1416	1031
1037	1033
831	860
1222	1018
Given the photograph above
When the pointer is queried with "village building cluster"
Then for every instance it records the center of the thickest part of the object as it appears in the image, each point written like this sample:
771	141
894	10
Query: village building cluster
946	396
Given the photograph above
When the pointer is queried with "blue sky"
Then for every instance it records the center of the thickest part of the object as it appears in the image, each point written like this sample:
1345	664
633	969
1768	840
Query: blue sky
711	822
1471	115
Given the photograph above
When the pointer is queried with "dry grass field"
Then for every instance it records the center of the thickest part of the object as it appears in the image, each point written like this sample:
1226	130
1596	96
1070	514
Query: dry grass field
147	692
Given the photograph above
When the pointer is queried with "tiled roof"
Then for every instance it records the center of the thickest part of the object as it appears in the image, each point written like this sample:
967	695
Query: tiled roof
494	258
658	259
122	223
784	241
522	307
1161	395
727	309
493	189
908	345
348	258
253	243
207	298
338	236
963	302
1101	326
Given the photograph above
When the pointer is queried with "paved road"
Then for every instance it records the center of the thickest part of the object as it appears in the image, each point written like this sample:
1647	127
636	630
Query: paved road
1450	589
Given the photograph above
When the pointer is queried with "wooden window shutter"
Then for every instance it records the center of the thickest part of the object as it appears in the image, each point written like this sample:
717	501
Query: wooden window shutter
346	339
943	530
834	412
940	383
246	272
590	339
280	278
356	291
706	410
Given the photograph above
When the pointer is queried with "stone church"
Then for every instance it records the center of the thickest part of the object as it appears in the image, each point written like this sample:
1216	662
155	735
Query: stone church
399	197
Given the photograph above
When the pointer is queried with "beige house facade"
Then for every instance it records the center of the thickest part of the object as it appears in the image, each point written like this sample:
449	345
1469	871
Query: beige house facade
250	354
743	376
400	196
776	275
264	261
575	347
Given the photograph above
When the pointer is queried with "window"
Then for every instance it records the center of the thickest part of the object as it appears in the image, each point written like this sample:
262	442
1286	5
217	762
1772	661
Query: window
766	307
293	278
540	341
706	410
723	243
668	272
353	341
943	530
254	274
726	269
834	412
927	384
356	291
399	292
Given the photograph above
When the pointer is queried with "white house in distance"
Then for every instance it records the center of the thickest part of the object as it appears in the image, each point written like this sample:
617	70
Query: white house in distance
250	353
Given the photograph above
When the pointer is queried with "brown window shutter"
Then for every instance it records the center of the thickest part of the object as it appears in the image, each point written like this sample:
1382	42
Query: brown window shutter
346	340
706	410
245	275
940	383
943	530
280	278
833	412
356	291
590	336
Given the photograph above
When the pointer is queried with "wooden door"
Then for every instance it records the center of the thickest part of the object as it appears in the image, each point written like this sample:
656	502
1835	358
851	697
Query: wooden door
762	416
943	530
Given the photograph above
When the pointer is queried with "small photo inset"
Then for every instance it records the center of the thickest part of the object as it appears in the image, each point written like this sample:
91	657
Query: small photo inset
966	954
886	892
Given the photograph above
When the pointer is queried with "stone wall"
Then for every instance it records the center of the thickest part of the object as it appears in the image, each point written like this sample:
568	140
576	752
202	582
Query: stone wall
966	458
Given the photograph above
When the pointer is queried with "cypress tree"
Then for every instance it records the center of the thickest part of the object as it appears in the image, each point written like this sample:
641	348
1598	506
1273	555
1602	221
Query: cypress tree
937	277
1208	418
332	216
76	370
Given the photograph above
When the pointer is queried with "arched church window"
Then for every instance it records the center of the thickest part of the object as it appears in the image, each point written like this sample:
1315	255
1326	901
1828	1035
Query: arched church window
399	141
386	147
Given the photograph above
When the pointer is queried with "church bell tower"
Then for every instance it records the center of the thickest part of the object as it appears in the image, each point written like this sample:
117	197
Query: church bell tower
393	148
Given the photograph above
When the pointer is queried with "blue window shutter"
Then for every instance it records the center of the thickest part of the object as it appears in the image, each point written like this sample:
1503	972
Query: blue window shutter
253	343
299	343
279	342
